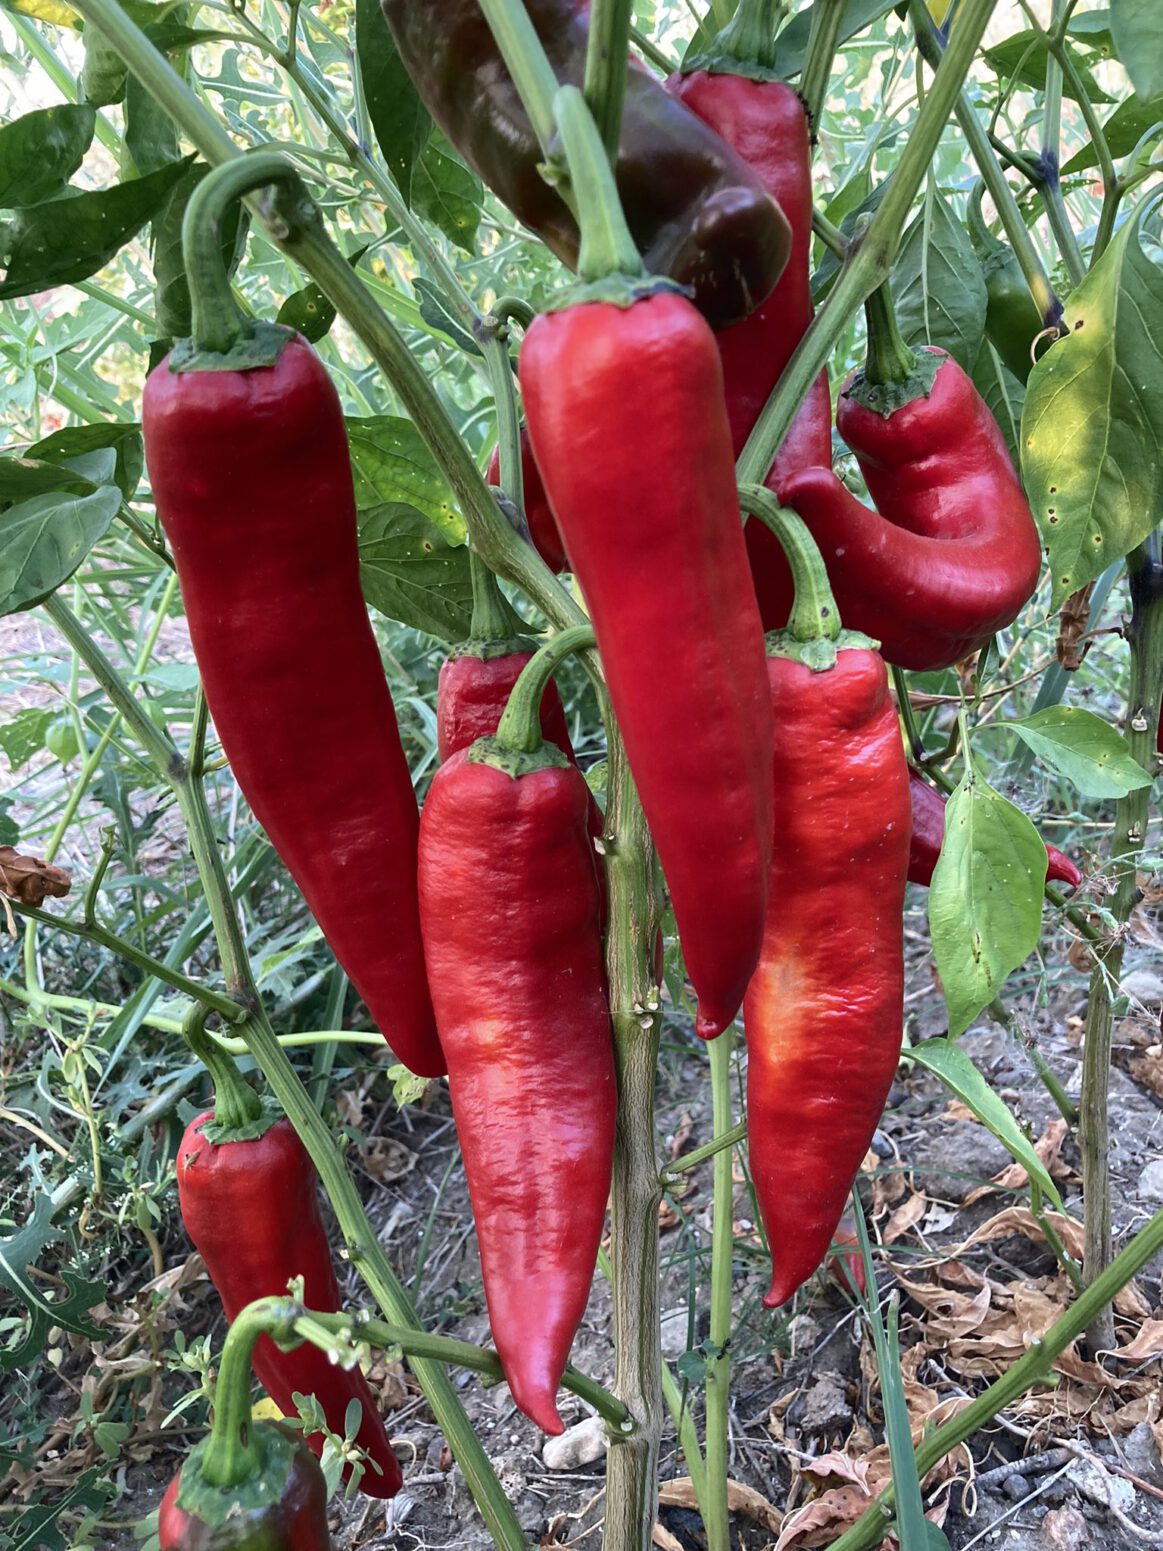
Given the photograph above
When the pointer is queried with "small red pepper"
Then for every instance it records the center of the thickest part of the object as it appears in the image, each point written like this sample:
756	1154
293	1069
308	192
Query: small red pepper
251	473
248	1194
510	903
952	553
824	1013
671	600
929	834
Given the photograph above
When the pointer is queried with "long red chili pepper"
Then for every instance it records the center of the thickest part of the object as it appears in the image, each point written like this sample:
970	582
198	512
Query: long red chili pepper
823	1015
651	522
250	1486
251	473
929	834
951	553
734	88
248	1194
510	903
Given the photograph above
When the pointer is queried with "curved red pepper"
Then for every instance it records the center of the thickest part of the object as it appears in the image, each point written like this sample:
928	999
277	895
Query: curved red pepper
651	522
952	553
509	903
543	529
251	1208
285	1510
824	1012
929	835
252	478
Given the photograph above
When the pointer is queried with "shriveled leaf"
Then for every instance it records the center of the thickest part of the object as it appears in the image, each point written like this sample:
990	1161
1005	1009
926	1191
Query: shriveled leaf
398	117
1137	29
447	192
40	152
72	238
985	900
44	540
1090	753
954	1068
938	286
76	441
1093	420
31	879
54	11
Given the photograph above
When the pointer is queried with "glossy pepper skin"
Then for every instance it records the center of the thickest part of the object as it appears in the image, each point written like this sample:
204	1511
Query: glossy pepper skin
252	478
543	529
951	553
765	122
283	1509
824	1012
929	835
251	1208
695	211
651	521
509	903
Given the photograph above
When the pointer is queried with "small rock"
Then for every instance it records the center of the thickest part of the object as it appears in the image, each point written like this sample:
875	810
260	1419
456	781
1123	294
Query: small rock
803	1333
675	1325
579	1445
1142	1454
1096	1483
1144	985
438	1455
1016	1487
1065	1529
826	1408
1150	1187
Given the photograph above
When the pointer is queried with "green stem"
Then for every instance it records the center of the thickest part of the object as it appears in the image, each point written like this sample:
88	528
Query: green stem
231	1454
520	726
492	618
607	247
236	1104
691	1160
605	78
1052	96
814	615
905	706
525	61
888	358
459	1354
492	335
650	50
714	1507
1002	1015
872	1526
827	18
870	263
749	36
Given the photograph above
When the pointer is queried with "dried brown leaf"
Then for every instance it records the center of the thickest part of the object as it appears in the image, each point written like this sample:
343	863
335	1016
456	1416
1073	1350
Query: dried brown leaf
30	879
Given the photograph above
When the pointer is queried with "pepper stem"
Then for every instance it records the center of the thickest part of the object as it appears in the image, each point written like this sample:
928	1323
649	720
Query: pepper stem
231	1454
814	615
217	322
492	618
607	247
749	36
236	1104
889	358
520	726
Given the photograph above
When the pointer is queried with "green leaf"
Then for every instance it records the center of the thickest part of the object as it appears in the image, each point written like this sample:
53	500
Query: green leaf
1137	30
985	901
171	288
40	152
308	309
439	317
75	441
954	1068
398	117
23	735
1093	420
1004	394
151	136
1123	131
24	477
43	541
37	1527
67	1309
408	526
1023	58
938	287
448	193
792	44
72	238
1092	755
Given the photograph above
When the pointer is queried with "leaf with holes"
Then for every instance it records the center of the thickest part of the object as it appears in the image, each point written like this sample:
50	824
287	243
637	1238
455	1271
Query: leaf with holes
1093	419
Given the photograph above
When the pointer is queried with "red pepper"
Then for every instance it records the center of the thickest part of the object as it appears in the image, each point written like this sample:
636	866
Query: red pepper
509	902
735	90
952	553
651	523
543	529
249	1486
824	1012
929	834
251	1208
476	681
252	478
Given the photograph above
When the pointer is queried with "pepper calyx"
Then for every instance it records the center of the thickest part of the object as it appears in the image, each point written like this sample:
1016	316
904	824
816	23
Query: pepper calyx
258	344
887	398
516	763
219	1135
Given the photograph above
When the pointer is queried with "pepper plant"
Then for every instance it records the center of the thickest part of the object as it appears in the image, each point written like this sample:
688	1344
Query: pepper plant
1007	354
